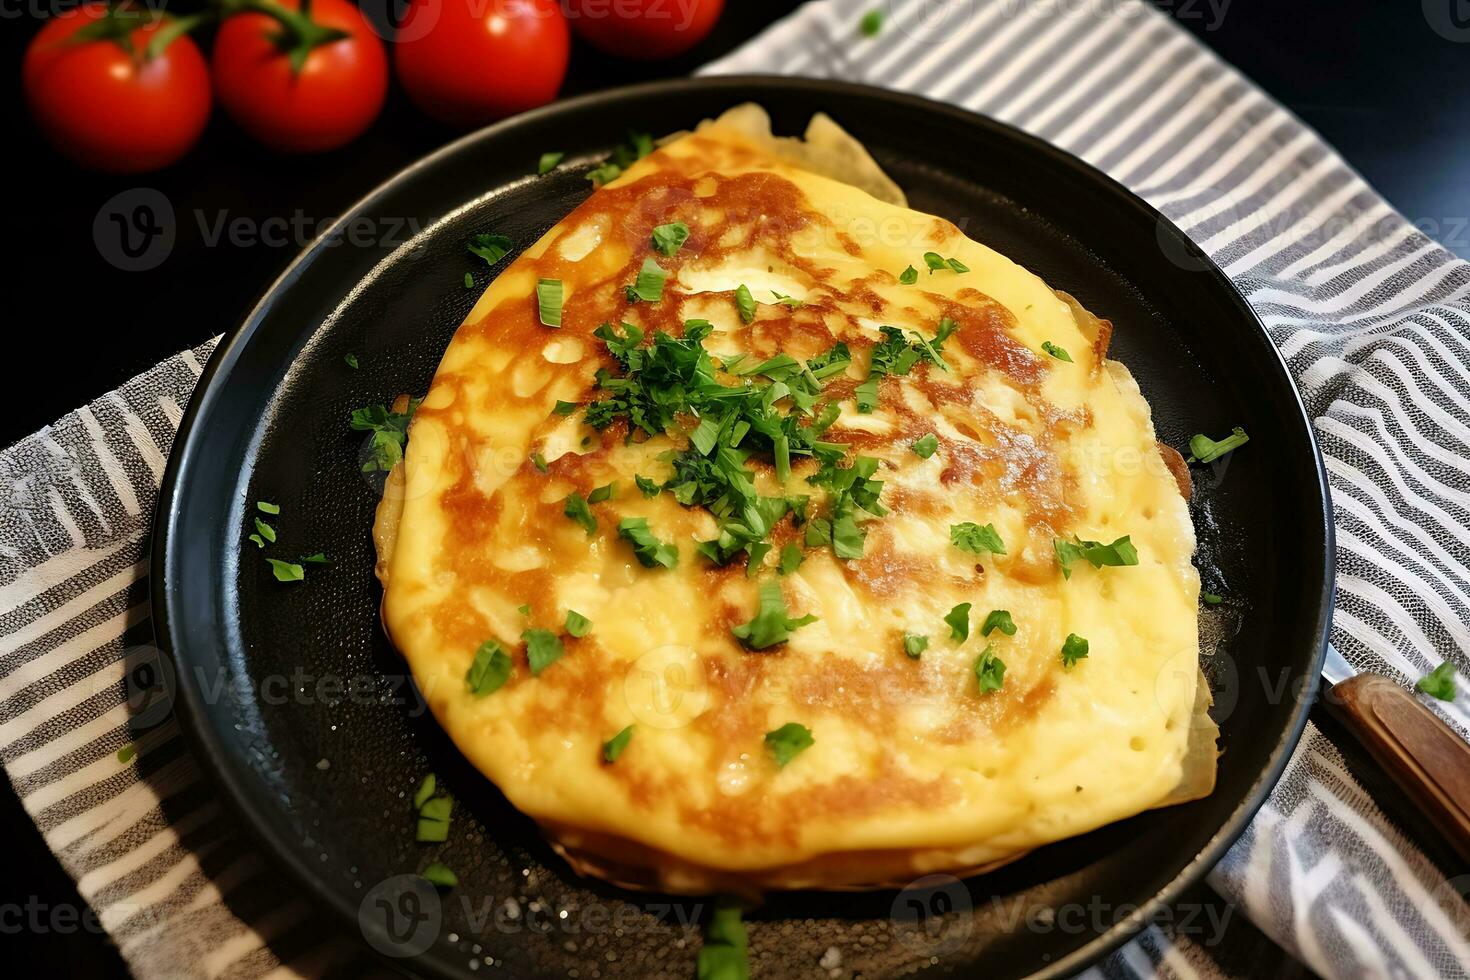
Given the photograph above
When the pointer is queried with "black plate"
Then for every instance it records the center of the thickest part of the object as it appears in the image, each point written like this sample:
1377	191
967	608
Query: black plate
269	421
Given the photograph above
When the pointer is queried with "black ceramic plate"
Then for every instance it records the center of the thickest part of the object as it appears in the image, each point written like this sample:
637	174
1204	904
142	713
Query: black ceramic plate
295	701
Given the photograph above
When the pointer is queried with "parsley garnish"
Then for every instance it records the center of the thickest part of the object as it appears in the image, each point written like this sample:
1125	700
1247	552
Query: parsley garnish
549	296
647	487
649	287
614	746
1055	351
351	359
958	619
425	791
265	530
909	276
925	446
789	741
1203	449
790	302
433	823
724	955
791	557
440	876
999	619
871	24
772	623
648	549
564	407
896	355
745	303
576	508
603	493
990	671
390	432
1210	599
1120	552
490	669
491	248
914	644
1439	682
543	648
577	624
1073	650
539	461
638	146
286	571
669	238
469	281
937	262
548	162
977	540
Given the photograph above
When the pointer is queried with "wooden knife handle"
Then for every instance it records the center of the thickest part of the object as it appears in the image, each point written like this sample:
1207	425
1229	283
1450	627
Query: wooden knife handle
1419	751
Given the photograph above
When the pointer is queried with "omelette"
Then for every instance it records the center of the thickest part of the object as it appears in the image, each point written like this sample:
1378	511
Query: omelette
760	532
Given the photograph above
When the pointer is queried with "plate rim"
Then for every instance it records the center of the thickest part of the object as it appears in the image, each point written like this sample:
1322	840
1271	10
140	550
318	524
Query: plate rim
188	701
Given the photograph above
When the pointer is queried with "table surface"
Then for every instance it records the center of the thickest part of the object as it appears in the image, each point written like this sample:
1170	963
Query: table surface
1378	80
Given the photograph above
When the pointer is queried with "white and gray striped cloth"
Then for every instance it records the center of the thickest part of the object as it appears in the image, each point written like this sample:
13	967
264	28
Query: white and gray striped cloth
1372	316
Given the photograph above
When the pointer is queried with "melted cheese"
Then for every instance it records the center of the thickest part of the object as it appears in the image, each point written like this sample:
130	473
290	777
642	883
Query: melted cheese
913	768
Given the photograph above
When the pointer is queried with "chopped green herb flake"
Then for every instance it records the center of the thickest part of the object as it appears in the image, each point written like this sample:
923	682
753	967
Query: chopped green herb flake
1055	351
724	955
909	276
351	359
669	238
440	876
791	557
426	789
1210	599
265	507
926	446
265	530
614	746
543	648
745	303
317	559
938	263
772	623
286	571
790	302
647	487
258	540
577	624
789	741
491	248
1073	650
914	644
564	408
649	286
1120	552
390	432
469	281
649	551
1203	449
999	619
976	539
490	669
126	754
871	24
990	671
433	822
576	508
524	609
1439	682
549	295
602	494
548	162
958	619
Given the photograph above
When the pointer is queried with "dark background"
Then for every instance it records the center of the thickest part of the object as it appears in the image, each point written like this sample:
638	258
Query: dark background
1375	78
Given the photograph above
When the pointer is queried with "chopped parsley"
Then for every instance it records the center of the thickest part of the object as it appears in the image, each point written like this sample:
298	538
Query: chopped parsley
958	619
790	302
669	238
614	746
1120	552
1073	650
647	549
1055	351
548	162
286	571
647	487
637	146
772	624
896	355
925	446
744	303
126	753
425	791
490	669
914	644
576	508
976	539
909	276
351	359
602	494
440	876
871	24
789	741
390	432
999	619
1211	599
577	624
564	407
543	648
649	286
265	530
791	558
1439	682
317	559
549	296
724	955
990	671
539	461
491	248
433	822
469	281
1203	449
937	263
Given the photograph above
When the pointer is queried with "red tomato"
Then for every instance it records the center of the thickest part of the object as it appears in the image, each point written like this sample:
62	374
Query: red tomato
470	62
336	94
644	29
107	109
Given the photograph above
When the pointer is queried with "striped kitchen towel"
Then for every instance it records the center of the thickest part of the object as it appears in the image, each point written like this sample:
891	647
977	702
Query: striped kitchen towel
1372	316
